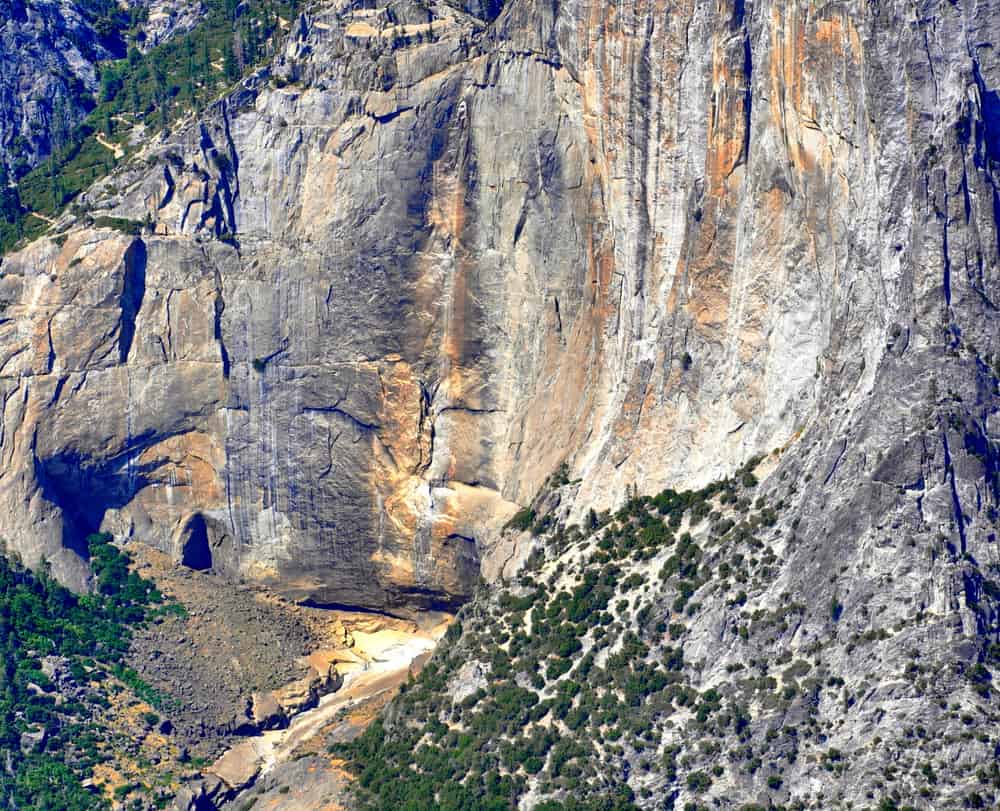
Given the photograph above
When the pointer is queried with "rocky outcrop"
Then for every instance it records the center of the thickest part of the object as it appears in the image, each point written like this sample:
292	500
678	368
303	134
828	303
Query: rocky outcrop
393	281
165	19
48	53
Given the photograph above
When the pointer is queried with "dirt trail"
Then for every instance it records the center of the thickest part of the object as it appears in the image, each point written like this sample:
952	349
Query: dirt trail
117	150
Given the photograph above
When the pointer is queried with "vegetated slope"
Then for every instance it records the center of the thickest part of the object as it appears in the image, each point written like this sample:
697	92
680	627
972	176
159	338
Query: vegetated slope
687	652
354	302
90	82
75	720
49	55
335	333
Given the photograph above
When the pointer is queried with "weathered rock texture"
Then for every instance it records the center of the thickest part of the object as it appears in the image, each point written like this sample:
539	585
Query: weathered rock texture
48	53
166	19
392	282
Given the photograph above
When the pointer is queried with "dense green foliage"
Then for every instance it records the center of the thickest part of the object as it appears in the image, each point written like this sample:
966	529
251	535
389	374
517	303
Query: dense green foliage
583	684
583	667
89	635
154	89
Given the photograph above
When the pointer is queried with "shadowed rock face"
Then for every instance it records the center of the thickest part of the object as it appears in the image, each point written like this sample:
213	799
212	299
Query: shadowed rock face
49	55
392	283
48	52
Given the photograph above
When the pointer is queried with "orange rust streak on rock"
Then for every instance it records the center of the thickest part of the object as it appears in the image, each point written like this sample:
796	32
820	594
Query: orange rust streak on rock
455	224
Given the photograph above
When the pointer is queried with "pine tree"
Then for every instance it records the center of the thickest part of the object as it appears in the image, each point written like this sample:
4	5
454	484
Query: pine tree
10	206
238	54
229	66
56	189
250	43
189	80
58	129
109	84
134	100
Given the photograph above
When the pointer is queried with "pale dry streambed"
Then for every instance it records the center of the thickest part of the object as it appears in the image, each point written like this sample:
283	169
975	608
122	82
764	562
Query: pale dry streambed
264	685
372	668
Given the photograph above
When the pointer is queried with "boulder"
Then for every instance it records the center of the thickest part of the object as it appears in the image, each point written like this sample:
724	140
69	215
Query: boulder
266	711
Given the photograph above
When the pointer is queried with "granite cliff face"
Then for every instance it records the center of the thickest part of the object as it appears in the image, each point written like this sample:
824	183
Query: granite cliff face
49	56
165	19
389	284
48	52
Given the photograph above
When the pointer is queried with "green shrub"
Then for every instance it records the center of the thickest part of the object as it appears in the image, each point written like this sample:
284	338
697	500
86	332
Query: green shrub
698	782
522	520
130	227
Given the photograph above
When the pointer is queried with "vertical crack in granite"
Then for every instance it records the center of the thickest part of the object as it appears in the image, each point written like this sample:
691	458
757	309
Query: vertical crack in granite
648	243
133	293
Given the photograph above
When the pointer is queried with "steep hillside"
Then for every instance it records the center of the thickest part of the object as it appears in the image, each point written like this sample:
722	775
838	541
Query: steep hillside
74	718
51	54
87	82
440	268
362	317
690	651
48	73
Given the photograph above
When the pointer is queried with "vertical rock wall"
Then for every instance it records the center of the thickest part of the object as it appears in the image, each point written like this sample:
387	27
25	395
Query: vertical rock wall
391	283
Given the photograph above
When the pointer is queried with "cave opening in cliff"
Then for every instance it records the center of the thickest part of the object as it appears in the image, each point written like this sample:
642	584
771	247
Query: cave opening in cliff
195	550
